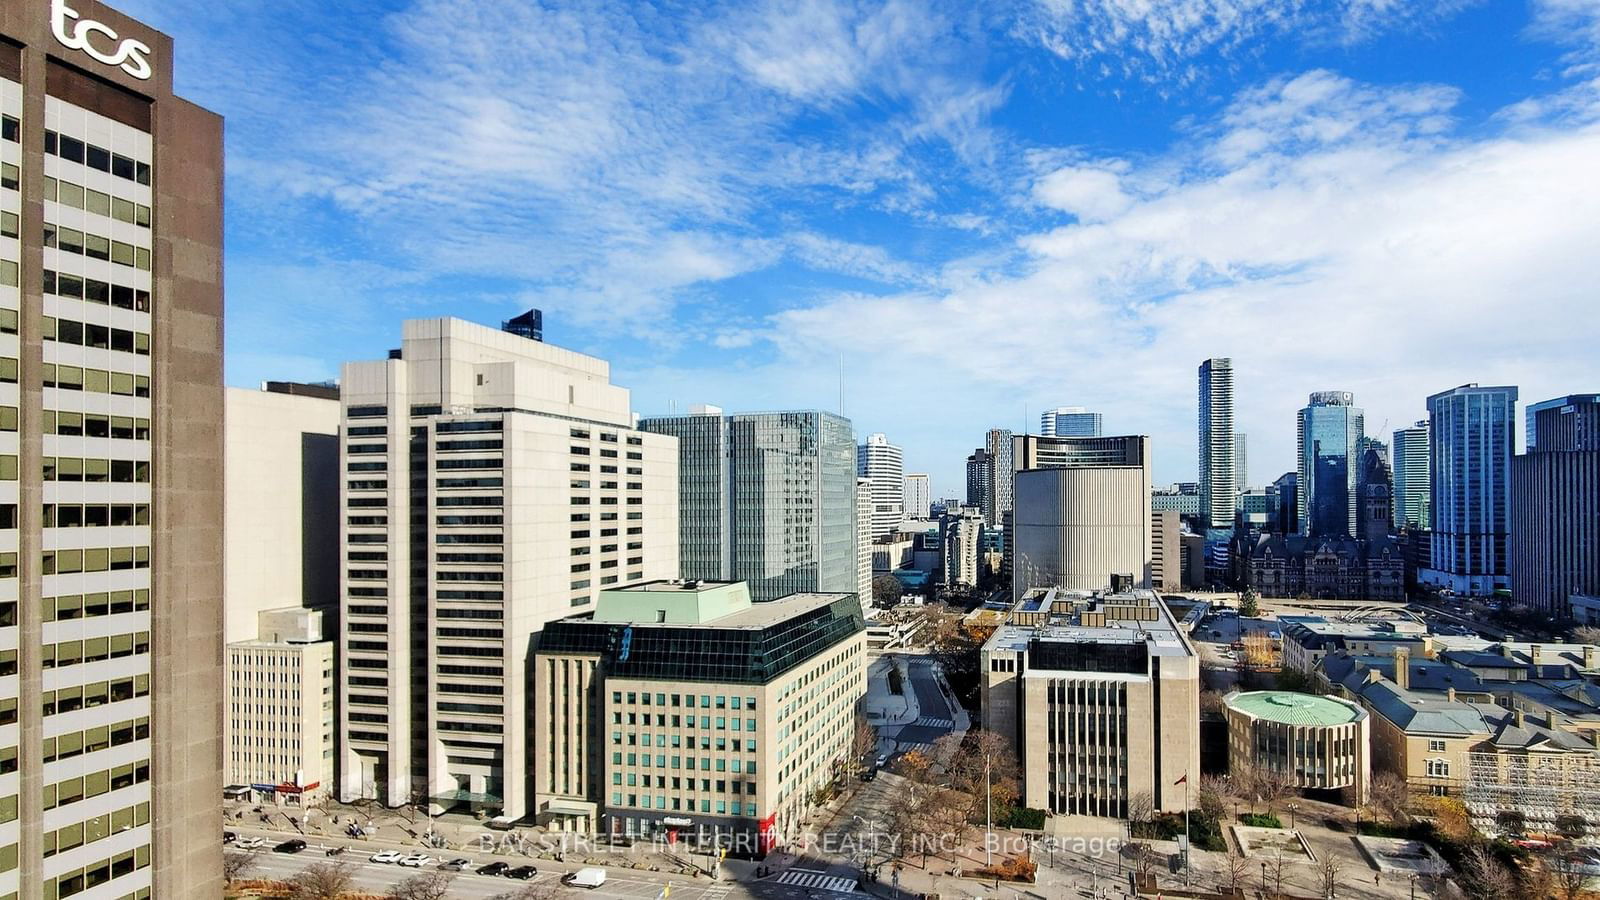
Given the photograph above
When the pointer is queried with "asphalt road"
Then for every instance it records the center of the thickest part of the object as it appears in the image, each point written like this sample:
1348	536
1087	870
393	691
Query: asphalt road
934	705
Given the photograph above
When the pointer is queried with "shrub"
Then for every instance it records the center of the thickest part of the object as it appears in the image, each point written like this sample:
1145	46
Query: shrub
1264	820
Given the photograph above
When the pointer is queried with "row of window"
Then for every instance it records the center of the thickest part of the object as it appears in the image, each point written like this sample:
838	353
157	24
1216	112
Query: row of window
100	381
643	760
90	200
678	741
71	468
99	337
90	515
79	880
93	740
95	649
77	287
84	696
706	701
89	606
73	150
687	784
77	424
96	246
95	559
71	790
642	801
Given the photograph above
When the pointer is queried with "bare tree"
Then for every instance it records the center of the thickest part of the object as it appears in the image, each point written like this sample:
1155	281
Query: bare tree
1329	867
1484	878
322	881
979	761
1141	812
1271	785
236	864
1211	797
1211	703
1586	634
1391	798
1274	875
863	740
433	885
1235	869
1568	872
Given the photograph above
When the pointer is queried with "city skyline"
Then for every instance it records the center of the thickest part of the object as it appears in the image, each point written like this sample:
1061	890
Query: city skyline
690	239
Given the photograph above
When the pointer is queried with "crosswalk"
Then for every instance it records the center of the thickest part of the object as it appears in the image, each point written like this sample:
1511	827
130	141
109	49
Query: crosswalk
932	722
717	891
810	878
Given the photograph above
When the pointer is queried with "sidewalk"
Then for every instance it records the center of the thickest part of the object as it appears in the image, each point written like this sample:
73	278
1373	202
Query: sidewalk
882	707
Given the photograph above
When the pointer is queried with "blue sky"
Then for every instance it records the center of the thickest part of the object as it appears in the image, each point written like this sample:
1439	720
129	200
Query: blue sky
982	209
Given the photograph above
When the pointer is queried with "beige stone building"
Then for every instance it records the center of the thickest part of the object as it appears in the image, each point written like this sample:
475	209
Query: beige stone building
280	710
682	708
1318	743
492	484
1099	692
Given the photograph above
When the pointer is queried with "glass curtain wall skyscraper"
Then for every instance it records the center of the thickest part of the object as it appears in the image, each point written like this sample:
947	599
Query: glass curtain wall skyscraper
1069	421
1473	433
1216	442
1555	524
1412	500
998	445
784	484
1327	445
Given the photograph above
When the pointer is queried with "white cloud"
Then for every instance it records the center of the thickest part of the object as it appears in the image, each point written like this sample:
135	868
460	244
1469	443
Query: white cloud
1357	244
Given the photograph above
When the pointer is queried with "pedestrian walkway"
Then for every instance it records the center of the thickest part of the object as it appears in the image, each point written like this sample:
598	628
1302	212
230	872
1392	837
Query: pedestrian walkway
932	722
811	878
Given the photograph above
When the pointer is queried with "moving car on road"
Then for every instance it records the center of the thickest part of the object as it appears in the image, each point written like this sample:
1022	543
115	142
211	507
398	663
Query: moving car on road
591	877
494	868
252	843
522	873
416	860
459	864
294	845
388	856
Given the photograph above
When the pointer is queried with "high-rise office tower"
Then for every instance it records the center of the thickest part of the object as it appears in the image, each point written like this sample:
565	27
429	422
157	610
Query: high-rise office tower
493	484
918	495
1241	462
1286	503
1327	445
980	479
1473	435
1069	421
864	540
1074	525
1412	500
1531	417
1555	506
766	498
998	444
883	464
111	491
1217	474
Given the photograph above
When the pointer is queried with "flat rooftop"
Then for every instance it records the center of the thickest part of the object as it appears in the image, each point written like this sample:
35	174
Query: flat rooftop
1160	635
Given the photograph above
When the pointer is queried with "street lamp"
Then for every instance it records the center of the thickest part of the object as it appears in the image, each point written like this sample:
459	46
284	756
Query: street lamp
1263	876
1413	886
1292	807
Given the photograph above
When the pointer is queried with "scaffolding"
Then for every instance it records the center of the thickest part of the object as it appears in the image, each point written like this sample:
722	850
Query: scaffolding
1541	787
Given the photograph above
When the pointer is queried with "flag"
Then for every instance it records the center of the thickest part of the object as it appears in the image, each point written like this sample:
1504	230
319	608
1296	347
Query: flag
1182	780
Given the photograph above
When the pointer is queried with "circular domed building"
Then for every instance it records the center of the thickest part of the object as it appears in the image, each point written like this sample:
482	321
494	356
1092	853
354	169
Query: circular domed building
1319	743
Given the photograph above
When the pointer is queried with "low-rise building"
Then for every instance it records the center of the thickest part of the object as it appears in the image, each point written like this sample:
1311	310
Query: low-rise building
682	708
1316	743
1308	640
280	709
1099	694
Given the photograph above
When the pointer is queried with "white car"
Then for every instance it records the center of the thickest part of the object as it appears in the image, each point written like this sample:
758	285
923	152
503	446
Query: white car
253	843
416	860
388	856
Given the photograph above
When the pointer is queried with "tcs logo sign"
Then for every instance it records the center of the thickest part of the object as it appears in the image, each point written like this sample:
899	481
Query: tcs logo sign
77	33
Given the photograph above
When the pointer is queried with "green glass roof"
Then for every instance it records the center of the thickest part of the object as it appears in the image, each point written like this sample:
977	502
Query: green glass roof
1295	709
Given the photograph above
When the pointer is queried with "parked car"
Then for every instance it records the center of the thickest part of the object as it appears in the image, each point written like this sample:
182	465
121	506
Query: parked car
416	860
229	837
459	864
388	856
494	868
252	843
522	873
293	845
883	760
869	774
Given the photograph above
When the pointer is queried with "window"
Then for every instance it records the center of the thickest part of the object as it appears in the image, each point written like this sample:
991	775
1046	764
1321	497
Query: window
1438	768
1435	746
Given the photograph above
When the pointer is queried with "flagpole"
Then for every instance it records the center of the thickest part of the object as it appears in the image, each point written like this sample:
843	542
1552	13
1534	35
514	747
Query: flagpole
1187	837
